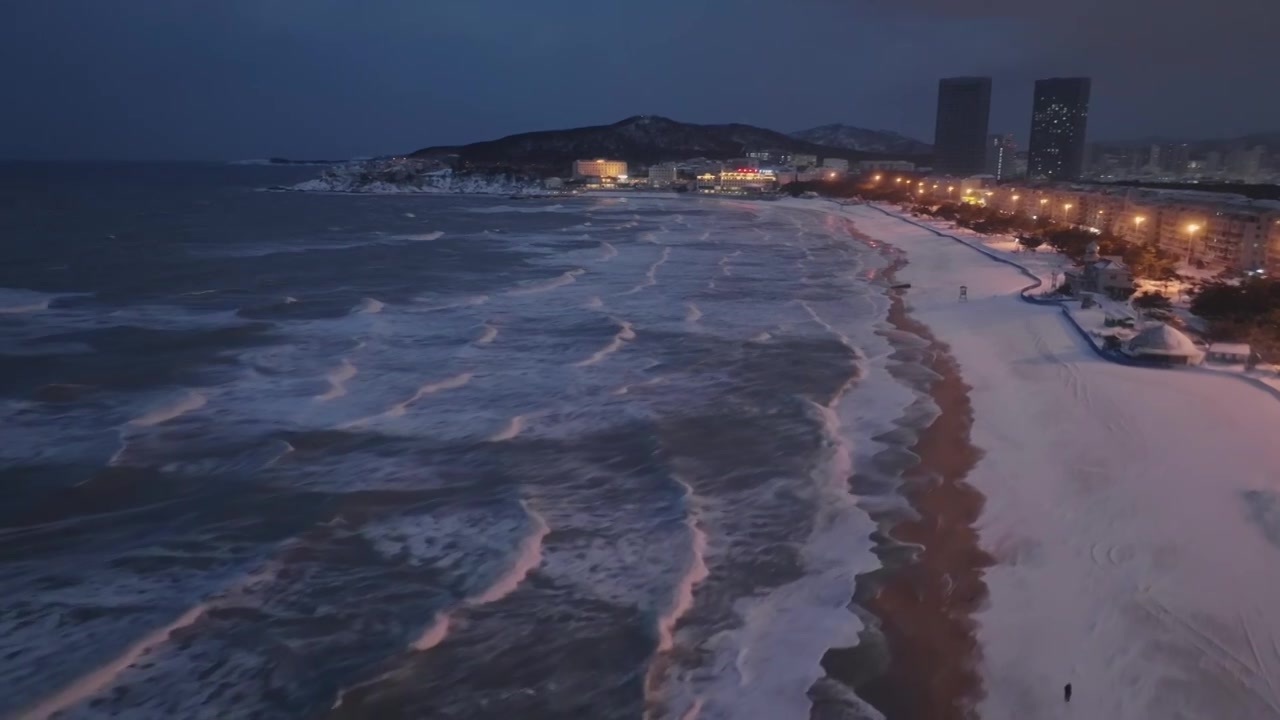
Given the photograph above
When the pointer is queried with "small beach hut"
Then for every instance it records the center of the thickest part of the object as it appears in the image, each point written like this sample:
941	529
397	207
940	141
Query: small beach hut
1164	345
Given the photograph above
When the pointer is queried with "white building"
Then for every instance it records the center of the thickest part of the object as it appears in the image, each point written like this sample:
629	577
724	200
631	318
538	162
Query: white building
803	161
664	174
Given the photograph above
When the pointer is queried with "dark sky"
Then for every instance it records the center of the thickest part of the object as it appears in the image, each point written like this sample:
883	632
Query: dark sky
225	79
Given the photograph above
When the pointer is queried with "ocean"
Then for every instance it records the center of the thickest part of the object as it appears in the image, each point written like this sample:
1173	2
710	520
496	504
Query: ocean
286	455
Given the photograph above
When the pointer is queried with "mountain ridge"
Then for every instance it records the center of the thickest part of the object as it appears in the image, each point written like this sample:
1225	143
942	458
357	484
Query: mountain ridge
864	140
640	139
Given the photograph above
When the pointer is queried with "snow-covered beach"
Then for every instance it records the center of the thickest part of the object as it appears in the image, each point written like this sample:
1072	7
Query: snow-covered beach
1133	514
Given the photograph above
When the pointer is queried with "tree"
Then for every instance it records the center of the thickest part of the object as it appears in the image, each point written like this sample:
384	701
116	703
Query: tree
1152	301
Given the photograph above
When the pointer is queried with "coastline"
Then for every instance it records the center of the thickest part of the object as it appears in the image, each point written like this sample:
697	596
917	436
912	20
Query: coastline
919	655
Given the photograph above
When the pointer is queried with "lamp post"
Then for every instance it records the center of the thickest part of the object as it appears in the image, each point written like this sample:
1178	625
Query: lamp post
1137	225
1191	239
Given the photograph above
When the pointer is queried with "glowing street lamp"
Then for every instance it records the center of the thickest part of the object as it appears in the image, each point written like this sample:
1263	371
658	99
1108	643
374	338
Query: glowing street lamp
877	178
897	180
1015	198
1192	229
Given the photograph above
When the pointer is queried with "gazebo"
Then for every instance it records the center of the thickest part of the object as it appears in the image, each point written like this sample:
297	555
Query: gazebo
1164	345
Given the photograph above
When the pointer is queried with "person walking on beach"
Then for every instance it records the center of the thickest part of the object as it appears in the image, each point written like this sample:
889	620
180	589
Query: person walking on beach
1066	692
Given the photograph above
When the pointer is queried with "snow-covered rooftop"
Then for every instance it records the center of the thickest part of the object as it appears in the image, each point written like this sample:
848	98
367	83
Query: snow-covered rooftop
1162	339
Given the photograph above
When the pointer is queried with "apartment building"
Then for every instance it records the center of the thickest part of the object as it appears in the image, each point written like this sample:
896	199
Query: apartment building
1223	231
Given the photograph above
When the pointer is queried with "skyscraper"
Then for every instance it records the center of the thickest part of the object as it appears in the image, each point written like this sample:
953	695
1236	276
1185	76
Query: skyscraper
1001	150
1058	120
960	136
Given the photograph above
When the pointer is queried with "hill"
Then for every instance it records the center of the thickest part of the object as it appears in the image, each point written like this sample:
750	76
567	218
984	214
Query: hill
642	140
884	142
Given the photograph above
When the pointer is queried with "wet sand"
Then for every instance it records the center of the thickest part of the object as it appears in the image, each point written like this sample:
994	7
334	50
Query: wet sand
919	657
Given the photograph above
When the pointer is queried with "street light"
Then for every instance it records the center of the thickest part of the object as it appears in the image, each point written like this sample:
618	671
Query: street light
1192	229
877	178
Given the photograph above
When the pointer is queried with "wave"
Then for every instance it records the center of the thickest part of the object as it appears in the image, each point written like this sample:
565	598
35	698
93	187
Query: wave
192	400
20	302
497	209
289	300
488	335
725	269
400	408
542	286
844	339
681	602
337	380
762	337
528	557
693	313
625	334
410	215
421	237
512	429
610	252
625	389
651	275
23	309
90	684
470	301
595	303
696	572
369	306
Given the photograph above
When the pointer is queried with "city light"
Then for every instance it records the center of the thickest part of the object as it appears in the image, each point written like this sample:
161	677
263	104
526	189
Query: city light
897	180
1015	198
1044	200
1192	228
1138	220
877	178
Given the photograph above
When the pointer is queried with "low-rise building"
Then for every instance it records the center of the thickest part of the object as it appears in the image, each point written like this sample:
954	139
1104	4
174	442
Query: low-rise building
737	181
1103	275
664	174
886	166
804	161
1163	345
